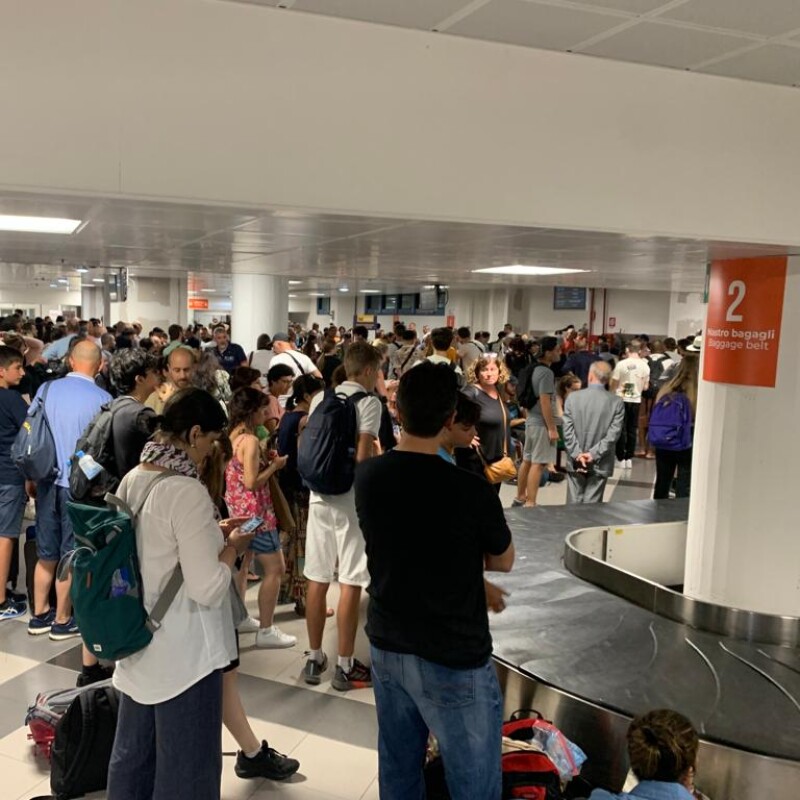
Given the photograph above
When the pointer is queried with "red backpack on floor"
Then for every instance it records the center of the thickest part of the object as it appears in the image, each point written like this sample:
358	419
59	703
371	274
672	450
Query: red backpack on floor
527	774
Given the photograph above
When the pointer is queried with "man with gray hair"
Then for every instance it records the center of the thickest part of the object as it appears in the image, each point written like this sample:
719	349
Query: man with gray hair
593	419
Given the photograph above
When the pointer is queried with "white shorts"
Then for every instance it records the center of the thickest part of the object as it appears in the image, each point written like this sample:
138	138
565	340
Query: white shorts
333	533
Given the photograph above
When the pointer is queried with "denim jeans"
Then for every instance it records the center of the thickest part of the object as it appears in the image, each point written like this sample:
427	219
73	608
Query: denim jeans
170	750
461	707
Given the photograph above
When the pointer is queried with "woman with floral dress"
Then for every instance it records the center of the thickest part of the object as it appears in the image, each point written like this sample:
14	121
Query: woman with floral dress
247	495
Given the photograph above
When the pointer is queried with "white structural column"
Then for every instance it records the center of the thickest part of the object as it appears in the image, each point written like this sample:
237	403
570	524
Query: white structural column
260	304
743	547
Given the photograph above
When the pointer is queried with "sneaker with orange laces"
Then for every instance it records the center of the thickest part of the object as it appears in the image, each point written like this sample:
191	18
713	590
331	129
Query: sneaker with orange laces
357	677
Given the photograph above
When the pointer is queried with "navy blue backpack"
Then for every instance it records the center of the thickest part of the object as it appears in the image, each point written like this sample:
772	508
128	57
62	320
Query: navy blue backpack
326	452
670	426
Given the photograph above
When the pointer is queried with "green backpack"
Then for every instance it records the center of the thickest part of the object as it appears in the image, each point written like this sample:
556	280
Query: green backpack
106	591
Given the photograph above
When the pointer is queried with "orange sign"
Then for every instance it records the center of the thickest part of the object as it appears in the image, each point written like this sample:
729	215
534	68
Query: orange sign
198	303
451	321
743	330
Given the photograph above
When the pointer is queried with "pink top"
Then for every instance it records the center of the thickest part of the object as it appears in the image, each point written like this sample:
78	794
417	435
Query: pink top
243	502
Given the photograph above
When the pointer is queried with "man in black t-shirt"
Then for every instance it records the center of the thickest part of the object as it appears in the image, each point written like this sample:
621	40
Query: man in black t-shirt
427	620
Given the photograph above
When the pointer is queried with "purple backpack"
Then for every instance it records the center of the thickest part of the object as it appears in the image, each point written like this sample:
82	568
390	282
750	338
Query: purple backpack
670	426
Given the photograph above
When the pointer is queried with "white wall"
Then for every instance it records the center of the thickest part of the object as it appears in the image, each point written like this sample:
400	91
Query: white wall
222	102
636	312
687	313
155	302
43	300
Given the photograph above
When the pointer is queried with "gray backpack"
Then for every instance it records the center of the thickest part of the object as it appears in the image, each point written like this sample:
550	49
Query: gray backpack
34	449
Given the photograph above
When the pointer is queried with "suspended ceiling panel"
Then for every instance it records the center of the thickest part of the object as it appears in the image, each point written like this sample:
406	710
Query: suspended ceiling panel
751	39
325	252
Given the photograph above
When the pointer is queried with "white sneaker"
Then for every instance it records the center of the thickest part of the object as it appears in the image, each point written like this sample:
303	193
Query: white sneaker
629	463
620	463
273	638
249	625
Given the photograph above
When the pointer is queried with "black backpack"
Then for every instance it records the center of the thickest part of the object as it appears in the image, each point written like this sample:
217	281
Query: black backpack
526	396
83	742
659	374
326	452
97	441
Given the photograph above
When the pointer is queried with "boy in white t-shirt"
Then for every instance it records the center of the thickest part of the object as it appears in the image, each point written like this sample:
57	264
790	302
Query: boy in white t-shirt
333	533
630	378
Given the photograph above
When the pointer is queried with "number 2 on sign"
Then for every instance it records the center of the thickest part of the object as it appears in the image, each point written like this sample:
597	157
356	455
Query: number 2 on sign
737	288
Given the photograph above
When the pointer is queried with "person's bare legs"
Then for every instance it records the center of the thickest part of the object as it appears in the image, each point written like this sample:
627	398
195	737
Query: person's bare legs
63	600
522	480
43	576
6	553
347	618
241	575
234	717
534	478
316	612
273	566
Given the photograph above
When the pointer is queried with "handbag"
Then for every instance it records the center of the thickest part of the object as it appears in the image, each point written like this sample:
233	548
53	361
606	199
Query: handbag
505	469
280	504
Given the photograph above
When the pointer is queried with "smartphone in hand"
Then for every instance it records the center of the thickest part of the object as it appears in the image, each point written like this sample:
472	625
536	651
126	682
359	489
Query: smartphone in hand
252	525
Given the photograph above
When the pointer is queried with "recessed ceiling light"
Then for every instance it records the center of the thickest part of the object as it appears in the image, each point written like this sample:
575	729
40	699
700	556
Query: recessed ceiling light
370	291
343	289
54	286
522	269
292	295
98	280
62	280
82	270
295	283
10	222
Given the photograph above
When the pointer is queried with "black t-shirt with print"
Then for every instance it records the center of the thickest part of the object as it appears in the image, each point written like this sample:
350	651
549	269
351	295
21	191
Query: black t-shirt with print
425	556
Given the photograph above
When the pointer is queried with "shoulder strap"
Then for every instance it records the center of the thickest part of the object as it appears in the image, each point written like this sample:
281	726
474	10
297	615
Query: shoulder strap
408	358
300	366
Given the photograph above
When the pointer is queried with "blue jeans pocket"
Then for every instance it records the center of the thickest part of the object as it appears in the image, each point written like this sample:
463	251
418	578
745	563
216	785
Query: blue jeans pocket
446	687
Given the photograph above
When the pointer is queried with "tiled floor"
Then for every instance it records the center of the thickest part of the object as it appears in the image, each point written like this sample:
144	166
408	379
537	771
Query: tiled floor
333	735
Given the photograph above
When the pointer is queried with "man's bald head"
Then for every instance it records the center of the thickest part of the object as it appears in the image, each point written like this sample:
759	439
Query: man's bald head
600	372
86	358
180	367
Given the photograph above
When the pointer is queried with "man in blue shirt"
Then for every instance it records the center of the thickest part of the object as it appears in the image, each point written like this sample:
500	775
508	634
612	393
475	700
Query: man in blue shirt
60	347
72	402
229	355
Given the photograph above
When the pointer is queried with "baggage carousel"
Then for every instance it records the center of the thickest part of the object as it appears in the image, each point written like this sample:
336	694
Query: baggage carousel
590	659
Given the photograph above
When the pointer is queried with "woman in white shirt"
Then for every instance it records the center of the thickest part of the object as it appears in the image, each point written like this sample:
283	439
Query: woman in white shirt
168	740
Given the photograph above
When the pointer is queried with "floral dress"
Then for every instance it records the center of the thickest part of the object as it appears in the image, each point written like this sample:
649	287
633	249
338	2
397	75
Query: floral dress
243	502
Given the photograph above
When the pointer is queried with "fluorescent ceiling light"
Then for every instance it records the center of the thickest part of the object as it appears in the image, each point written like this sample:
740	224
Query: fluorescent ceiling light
295	283
292	295
38	224
317	294
98	280
82	270
522	269
343	289
370	291
62	280
210	291
54	286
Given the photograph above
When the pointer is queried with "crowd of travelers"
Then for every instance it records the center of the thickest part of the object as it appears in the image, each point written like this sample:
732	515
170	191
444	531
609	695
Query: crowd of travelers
213	444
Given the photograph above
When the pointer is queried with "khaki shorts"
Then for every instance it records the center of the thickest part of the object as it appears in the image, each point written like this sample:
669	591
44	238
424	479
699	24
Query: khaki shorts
333	534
